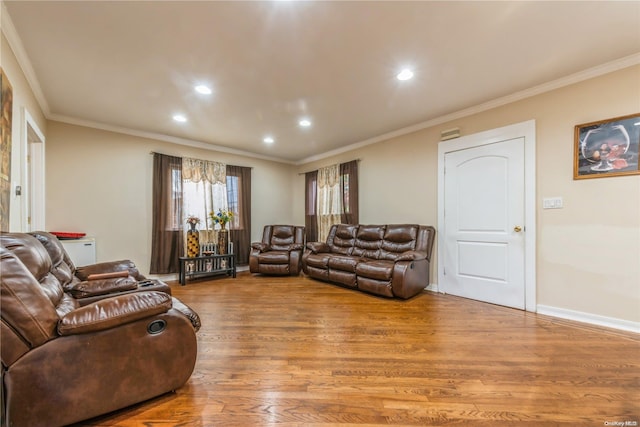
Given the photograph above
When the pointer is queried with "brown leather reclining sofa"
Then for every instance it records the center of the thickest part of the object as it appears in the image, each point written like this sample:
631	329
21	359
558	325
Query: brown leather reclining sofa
387	260
73	346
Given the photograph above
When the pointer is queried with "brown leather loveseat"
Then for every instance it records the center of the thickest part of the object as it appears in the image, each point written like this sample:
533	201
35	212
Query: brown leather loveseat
387	260
66	359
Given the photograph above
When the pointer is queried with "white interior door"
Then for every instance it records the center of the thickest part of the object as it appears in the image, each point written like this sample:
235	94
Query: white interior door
484	223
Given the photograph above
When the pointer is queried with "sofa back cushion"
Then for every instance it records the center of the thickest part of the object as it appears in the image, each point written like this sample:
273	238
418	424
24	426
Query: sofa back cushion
398	238
342	238
36	260
369	241
61	265
280	237
26	309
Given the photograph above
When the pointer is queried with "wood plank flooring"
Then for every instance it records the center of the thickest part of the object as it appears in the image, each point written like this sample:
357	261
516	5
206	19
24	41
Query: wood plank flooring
298	352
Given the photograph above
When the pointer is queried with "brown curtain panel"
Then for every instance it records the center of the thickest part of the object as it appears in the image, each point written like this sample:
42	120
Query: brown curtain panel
311	198
239	183
166	234
349	186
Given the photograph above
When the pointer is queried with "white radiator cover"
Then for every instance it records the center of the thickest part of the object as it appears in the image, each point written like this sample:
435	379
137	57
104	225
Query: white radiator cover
81	251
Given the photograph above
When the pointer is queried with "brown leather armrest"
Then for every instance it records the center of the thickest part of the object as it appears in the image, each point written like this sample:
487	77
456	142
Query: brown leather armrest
296	247
111	312
318	247
84	272
259	246
411	256
187	311
92	288
112	275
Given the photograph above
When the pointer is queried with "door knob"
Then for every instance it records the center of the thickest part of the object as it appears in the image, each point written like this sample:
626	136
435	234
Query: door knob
517	229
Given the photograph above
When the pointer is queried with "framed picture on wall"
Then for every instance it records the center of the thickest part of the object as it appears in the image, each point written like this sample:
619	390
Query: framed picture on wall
607	148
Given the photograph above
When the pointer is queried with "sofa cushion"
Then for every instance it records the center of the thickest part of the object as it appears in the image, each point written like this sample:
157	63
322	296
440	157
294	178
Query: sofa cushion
282	237
398	238
380	270
343	277
344	239
320	260
368	241
25	306
62	266
378	287
343	263
274	257
36	259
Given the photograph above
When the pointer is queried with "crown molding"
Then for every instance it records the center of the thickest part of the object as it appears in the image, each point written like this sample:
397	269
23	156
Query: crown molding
9	31
609	67
162	137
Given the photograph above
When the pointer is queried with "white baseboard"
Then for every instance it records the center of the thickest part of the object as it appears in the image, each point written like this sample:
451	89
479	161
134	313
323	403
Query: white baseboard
594	319
432	287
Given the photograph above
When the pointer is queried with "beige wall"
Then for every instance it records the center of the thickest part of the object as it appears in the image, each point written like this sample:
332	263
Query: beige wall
588	253
23	101
99	183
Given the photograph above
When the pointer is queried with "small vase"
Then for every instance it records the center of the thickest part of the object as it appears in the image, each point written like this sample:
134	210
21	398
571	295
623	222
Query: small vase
193	242
223	240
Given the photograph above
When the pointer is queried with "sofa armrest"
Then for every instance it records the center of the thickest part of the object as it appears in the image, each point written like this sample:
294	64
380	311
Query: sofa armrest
260	247
411	256
188	312
111	312
318	247
84	272
296	247
92	288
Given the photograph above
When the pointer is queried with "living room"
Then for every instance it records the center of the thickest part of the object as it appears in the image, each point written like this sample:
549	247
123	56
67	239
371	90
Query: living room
587	266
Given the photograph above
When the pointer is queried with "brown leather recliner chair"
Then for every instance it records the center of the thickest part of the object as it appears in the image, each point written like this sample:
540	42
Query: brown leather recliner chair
280	251
63	361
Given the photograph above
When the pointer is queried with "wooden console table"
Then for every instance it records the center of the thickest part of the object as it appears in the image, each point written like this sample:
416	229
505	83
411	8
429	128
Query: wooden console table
206	265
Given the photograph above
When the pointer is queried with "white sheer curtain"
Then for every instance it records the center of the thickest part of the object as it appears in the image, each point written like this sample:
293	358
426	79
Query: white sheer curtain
329	201
204	190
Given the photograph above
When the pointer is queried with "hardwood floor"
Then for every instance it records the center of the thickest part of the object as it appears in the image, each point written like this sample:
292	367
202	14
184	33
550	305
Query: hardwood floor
298	352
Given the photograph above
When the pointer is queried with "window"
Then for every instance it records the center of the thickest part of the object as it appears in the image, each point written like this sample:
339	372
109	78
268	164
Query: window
331	197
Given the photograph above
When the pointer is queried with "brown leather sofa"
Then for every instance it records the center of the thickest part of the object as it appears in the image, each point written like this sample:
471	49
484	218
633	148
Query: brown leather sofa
280	251
387	260
65	359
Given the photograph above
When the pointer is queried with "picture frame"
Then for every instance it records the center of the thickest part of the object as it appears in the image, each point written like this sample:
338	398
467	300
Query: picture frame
607	148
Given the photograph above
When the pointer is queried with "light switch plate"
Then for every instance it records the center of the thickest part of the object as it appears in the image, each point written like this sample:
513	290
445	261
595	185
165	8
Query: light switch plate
552	203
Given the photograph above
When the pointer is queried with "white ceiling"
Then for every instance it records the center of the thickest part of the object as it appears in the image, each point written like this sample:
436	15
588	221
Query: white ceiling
132	65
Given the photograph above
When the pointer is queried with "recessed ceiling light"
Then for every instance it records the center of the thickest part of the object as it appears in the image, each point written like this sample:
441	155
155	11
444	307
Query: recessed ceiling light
179	118
268	140
405	74
305	123
205	90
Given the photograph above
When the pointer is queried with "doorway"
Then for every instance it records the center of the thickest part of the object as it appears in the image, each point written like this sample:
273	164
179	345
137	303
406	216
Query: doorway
34	200
486	216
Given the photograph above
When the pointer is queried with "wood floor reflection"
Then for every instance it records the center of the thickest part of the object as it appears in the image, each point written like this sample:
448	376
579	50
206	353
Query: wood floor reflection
298	352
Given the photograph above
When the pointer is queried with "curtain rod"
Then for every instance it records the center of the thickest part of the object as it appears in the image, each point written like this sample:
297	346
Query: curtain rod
303	173
155	152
